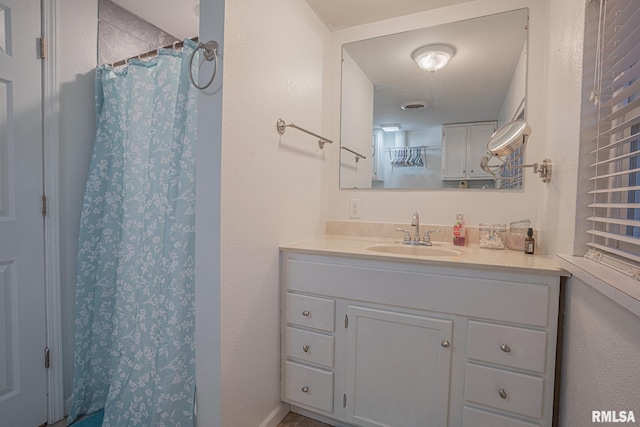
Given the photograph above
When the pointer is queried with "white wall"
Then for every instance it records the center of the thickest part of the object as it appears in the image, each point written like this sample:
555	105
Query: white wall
563	114
517	91
441	206
77	53
600	369
357	126
273	187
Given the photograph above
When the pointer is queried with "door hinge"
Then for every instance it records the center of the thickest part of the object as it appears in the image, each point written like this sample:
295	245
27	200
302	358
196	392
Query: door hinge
42	48
44	205
344	400
47	358
346	321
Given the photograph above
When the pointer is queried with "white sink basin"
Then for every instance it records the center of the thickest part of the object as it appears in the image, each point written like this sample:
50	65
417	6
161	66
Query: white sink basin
417	250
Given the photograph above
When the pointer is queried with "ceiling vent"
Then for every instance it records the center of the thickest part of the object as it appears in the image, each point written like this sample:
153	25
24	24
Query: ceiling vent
414	105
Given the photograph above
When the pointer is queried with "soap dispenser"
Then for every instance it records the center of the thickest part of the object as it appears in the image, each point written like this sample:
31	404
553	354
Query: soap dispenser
459	231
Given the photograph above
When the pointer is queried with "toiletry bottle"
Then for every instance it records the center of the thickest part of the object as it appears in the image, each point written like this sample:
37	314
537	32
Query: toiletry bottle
529	242
459	231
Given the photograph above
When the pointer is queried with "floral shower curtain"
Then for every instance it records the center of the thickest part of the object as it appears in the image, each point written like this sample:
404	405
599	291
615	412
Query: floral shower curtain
135	317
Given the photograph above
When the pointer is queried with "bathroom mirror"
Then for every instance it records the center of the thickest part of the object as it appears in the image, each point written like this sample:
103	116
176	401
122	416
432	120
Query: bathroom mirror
429	130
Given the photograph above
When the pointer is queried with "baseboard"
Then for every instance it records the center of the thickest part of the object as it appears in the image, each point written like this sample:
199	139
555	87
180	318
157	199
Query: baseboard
277	415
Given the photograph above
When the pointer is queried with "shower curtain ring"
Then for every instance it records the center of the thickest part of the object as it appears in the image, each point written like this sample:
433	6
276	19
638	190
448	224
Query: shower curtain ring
210	52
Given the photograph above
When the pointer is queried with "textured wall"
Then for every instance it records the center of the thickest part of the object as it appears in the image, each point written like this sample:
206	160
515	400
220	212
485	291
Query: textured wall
122	34
600	369
273	187
563	117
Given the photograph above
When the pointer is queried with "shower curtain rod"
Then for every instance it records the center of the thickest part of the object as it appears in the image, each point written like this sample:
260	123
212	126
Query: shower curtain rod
152	53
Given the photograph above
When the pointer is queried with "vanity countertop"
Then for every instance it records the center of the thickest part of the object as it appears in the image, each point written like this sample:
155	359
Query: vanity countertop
471	256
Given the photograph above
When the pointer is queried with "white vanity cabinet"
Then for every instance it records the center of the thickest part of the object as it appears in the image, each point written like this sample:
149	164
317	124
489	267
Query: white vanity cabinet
463	146
379	343
397	368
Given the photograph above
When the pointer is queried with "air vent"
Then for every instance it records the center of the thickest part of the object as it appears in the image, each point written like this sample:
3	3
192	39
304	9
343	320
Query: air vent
414	105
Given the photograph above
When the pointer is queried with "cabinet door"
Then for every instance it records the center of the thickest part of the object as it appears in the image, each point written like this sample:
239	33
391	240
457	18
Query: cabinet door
398	368
479	135
454	152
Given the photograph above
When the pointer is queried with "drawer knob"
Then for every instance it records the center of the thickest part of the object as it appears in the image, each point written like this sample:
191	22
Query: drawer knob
305	389
505	348
305	348
445	343
502	393
306	313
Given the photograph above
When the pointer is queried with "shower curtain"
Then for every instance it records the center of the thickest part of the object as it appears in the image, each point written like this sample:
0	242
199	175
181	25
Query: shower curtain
135	317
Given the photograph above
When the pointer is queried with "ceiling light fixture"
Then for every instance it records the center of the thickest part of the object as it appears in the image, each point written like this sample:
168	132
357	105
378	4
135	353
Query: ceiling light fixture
392	127
433	57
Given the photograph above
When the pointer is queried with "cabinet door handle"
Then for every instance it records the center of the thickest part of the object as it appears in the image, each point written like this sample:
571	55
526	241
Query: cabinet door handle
502	393
305	348
306	313
305	389
505	348
445	343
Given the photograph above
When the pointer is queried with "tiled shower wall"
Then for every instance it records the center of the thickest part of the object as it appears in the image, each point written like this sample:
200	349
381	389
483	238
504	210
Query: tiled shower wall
122	34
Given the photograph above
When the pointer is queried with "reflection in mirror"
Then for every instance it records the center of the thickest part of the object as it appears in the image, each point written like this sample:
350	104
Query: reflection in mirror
429	129
3	30
506	146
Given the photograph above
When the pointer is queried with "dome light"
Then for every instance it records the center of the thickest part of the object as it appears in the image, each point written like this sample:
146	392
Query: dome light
433	57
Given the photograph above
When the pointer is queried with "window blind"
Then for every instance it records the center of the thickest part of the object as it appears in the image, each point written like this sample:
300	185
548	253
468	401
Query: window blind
615	173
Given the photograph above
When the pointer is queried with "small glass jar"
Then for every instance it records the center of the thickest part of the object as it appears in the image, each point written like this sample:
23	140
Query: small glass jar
492	236
517	234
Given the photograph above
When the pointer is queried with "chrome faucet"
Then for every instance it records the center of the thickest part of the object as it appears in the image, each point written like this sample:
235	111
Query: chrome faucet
415	222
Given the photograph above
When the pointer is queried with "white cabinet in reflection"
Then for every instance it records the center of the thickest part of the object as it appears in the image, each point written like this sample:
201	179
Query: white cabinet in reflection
463	145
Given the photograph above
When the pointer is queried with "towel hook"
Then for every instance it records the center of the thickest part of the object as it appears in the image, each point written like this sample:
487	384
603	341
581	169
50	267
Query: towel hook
210	51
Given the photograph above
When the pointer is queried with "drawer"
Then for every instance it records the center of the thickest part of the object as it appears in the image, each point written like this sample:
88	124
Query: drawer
523	394
507	345
311	312
472	417
529	303
309	386
309	346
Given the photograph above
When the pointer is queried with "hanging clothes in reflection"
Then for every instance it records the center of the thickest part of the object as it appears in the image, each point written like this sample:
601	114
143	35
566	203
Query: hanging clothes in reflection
409	156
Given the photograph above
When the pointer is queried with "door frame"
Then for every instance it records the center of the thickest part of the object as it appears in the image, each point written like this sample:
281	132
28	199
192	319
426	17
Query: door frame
53	290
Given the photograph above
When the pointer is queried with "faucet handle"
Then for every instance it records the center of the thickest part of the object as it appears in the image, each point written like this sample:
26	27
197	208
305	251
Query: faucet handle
407	234
427	235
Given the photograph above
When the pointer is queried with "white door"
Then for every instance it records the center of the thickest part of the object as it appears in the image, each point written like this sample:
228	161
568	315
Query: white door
478	137
454	152
398	369
22	299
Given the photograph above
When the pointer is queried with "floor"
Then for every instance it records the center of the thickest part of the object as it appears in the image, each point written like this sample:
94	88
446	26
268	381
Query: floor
295	420
291	420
